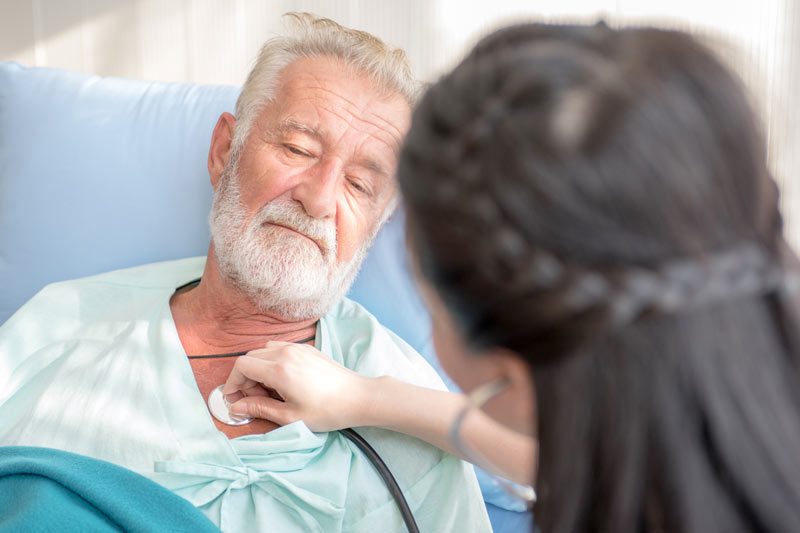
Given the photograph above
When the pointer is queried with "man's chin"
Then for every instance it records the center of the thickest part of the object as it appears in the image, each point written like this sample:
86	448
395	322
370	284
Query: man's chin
276	296
276	287
294	309
302	304
286	240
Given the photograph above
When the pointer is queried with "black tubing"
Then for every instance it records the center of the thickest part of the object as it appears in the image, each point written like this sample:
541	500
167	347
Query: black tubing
386	474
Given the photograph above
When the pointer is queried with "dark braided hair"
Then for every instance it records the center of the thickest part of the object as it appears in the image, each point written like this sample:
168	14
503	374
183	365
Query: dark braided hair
598	202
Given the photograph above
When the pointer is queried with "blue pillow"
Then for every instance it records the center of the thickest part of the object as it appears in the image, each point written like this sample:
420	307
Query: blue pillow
98	174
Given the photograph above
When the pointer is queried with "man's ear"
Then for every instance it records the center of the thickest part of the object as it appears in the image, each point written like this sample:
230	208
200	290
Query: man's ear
220	151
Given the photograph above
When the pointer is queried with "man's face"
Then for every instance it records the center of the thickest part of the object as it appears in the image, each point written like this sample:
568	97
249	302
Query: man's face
295	212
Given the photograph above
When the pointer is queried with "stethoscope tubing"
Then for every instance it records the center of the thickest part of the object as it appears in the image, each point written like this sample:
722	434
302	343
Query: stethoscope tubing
386	474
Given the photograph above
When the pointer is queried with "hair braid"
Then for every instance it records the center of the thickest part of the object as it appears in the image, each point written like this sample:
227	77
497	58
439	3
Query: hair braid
562	298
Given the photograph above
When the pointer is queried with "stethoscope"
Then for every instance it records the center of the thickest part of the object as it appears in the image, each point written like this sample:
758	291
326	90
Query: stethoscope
219	407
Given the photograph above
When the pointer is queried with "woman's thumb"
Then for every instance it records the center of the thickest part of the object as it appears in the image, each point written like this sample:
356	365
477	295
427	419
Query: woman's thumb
262	407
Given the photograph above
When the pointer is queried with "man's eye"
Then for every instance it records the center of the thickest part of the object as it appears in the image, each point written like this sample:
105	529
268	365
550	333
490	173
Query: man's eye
296	151
358	186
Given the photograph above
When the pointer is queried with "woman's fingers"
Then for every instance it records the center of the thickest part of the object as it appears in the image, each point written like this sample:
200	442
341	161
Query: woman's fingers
263	407
247	373
321	392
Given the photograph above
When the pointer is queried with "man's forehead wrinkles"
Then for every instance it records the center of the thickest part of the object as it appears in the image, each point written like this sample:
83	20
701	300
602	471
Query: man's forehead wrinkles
360	109
396	137
387	125
364	126
365	110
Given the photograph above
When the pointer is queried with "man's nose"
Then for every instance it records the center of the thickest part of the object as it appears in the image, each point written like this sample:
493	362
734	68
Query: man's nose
318	189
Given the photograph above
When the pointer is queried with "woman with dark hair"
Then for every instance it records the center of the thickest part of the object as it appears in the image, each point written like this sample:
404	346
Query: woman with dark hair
590	210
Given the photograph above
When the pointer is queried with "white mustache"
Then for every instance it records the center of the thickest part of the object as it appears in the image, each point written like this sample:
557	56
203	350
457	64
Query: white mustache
292	216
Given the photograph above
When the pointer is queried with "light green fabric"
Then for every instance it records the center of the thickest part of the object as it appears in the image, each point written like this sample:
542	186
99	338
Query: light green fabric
95	366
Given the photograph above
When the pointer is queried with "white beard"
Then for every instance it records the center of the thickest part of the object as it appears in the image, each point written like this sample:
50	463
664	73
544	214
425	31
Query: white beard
280	272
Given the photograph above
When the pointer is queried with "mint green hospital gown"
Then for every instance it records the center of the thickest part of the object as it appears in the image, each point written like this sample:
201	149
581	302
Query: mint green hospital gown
95	366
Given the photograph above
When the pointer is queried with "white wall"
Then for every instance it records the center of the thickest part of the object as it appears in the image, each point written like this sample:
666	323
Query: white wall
214	41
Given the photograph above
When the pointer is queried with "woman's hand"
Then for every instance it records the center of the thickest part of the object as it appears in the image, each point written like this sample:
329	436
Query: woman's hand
308	385
285	382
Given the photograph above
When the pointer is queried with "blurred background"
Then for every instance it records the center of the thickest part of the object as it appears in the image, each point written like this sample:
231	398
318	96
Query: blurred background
215	41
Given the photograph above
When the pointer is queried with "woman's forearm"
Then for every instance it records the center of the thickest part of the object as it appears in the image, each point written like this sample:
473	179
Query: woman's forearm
428	415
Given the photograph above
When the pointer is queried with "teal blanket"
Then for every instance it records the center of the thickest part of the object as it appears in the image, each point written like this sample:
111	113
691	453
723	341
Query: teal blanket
51	490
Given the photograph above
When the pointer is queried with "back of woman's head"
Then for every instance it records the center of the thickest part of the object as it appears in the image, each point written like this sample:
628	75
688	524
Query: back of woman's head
598	202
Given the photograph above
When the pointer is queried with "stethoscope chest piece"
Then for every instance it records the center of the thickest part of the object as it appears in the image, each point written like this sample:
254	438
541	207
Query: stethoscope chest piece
220	409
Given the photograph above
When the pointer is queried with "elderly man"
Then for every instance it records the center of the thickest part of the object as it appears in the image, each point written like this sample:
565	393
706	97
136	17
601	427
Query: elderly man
119	366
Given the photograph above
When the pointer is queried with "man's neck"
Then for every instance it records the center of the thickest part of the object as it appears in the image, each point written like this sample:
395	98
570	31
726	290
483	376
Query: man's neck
216	317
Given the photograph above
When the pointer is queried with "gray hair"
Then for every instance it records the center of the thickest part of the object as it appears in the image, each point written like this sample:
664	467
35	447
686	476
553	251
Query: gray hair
312	36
